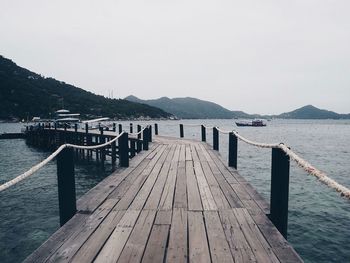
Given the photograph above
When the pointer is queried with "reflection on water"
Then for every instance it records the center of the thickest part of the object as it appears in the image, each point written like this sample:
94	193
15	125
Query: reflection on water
319	220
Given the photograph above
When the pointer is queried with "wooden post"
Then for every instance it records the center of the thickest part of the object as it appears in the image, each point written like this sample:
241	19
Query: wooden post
156	129
279	190
114	127
145	138
215	139
139	143
114	153
204	134
150	133
55	126
102	151
132	148
123	146
86	128
181	130
232	150
120	127
66	185
131	129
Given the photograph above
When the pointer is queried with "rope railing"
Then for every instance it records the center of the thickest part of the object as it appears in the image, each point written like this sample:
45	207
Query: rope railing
35	168
302	163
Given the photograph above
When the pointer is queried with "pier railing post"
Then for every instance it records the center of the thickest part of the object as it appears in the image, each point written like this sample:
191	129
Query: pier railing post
215	139
232	150
131	129
204	135
114	153
66	185
139	143
156	129
123	146
145	138
114	127
120	127
279	190
86	128
150	133
181	130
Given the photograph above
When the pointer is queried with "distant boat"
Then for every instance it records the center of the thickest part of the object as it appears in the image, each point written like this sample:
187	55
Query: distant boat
254	123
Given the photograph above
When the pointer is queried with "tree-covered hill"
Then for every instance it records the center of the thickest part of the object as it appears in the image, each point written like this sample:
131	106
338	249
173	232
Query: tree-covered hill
26	94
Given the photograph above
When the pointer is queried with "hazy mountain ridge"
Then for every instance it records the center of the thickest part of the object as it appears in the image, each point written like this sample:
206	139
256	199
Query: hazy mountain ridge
311	112
189	108
199	109
24	93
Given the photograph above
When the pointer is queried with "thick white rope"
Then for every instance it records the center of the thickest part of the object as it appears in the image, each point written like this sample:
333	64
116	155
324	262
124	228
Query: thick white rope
138	133
50	158
257	144
306	166
321	176
223	131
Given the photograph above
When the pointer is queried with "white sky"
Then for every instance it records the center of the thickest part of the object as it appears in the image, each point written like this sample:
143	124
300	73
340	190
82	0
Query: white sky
258	56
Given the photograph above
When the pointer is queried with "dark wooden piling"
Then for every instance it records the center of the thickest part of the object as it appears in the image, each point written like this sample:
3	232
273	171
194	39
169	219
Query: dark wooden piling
215	139
114	127
139	142
149	133
120	127
66	185
204	134
131	128
123	146
156	129
181	130
232	150
145	139
279	190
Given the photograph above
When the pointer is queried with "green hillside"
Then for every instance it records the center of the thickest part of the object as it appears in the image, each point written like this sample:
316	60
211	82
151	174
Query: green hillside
26	94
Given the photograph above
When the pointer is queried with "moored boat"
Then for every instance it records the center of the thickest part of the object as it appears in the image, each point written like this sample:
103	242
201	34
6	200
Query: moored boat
253	123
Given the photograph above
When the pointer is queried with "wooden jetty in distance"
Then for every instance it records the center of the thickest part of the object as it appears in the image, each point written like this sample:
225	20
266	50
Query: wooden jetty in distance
177	201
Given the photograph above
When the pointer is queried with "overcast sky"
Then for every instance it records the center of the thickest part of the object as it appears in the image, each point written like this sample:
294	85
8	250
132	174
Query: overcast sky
252	55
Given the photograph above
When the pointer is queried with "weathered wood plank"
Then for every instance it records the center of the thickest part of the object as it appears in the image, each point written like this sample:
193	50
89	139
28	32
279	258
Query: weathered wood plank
74	242
193	196
177	249
197	238
180	200
239	246
92	246
163	217
156	245
219	248
204	190
166	201
157	190
261	249
146	188
116	242
136	244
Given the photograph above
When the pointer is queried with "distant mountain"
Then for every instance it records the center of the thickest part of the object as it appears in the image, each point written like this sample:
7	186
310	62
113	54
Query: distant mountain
311	112
24	93
192	108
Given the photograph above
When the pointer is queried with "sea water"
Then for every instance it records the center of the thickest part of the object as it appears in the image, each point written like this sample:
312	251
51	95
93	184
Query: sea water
319	219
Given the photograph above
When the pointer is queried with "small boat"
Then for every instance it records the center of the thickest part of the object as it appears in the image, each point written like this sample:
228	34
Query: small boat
254	123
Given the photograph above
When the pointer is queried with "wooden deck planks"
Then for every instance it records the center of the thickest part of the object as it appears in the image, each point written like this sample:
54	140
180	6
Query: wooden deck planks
178	202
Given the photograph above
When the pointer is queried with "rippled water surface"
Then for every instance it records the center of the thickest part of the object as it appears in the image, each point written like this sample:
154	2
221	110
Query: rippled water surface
319	219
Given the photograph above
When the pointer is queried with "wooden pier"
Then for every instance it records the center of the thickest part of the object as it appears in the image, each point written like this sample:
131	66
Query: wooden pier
178	201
